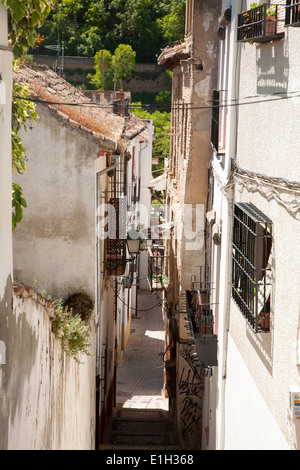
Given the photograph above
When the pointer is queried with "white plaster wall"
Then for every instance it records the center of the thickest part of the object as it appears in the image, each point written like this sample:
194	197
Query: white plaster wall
5	154
269	141
145	200
249	424
55	242
272	358
47	402
252	401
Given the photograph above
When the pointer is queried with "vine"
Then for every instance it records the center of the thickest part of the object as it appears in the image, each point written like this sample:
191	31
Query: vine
23	114
24	17
70	326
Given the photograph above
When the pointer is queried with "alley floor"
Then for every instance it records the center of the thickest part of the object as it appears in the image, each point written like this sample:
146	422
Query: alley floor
141	418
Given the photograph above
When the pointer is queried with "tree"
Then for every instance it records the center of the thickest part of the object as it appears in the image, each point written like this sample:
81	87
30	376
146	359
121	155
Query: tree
173	24
161	123
25	17
86	26
105	65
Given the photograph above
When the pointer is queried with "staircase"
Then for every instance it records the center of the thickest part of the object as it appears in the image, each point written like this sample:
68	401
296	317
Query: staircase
139	429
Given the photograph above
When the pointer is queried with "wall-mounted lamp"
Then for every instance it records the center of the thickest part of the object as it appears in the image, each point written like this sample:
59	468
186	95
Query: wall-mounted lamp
134	247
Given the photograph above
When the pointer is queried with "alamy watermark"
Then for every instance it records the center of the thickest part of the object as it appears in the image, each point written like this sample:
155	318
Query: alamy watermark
185	222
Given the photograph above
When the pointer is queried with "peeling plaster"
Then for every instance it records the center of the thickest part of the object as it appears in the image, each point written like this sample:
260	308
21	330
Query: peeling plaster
207	18
203	87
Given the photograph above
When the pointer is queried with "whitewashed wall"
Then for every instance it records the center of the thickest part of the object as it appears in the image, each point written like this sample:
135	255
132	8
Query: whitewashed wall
55	242
47	399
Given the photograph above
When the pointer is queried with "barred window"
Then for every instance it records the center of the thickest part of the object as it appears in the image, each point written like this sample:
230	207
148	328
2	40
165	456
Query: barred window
251	270
292	13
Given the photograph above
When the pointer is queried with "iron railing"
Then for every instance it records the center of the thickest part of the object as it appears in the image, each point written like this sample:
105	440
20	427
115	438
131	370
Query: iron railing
251	271
200	310
115	242
157	277
258	25
292	13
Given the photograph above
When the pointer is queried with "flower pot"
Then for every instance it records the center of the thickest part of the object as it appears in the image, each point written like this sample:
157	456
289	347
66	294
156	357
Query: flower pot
271	26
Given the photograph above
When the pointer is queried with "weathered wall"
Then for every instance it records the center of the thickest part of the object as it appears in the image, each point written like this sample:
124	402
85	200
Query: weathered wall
193	82
5	178
47	399
55	242
251	385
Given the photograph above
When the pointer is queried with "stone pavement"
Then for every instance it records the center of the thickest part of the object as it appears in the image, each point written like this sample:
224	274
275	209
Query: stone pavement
141	418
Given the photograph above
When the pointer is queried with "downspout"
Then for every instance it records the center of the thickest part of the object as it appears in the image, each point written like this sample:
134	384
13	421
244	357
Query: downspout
98	297
234	75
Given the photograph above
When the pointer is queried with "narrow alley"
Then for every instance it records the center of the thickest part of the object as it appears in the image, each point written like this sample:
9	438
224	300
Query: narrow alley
141	418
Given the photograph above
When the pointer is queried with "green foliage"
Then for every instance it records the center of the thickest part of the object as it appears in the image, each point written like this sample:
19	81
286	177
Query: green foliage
163	100
173	24
87	26
71	330
23	113
69	327
25	16
24	19
18	202
161	122
124	67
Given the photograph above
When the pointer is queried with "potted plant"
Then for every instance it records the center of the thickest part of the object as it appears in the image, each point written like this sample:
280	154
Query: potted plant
271	21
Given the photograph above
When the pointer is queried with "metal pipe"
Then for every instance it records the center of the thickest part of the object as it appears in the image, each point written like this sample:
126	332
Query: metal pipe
112	167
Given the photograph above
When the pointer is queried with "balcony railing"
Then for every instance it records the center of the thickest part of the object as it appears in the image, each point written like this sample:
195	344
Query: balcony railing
157	277
201	318
260	24
292	13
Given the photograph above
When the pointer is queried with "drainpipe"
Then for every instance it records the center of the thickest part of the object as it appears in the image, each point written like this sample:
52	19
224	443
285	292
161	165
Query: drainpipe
231	145
98	297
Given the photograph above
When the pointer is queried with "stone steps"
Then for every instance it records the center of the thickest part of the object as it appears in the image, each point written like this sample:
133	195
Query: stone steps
134	429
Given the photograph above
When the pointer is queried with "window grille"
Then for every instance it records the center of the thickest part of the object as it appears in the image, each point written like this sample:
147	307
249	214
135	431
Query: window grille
115	243
292	13
215	120
251	272
200	318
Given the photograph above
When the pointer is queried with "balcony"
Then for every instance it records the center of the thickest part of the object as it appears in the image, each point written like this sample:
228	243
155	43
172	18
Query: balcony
115	259
260	24
200	320
292	13
157	278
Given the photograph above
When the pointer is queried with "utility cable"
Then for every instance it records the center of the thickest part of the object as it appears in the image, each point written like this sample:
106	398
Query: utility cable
137	309
186	106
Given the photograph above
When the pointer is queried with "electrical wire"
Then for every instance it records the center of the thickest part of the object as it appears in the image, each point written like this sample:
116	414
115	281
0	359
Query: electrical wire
187	106
137	309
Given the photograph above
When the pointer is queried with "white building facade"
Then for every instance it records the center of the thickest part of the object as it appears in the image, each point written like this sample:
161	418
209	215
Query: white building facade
255	191
5	178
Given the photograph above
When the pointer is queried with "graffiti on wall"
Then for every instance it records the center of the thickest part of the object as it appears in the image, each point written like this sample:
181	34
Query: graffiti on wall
191	387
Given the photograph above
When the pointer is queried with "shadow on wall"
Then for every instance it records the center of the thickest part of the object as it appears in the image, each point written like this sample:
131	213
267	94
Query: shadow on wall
272	68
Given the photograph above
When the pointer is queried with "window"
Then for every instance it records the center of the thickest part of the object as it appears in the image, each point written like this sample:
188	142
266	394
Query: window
251	272
115	232
292	14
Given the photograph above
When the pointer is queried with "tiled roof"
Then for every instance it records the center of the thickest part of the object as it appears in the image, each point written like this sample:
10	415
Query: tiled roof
47	86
